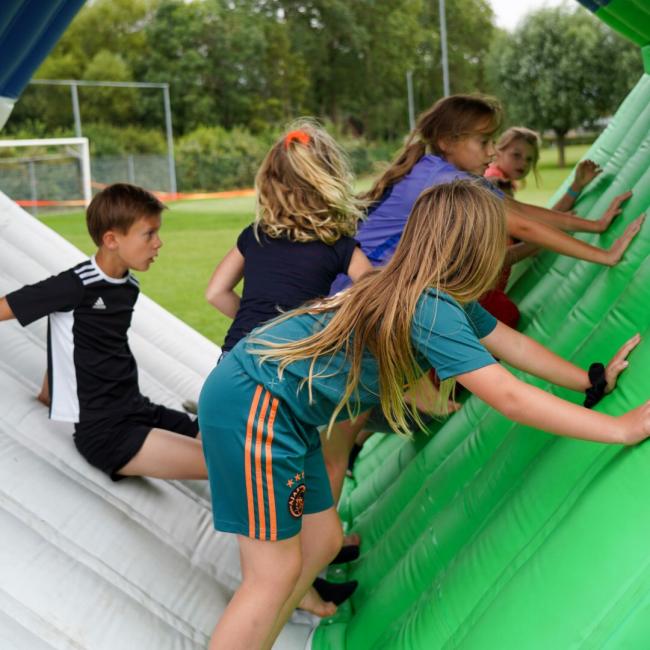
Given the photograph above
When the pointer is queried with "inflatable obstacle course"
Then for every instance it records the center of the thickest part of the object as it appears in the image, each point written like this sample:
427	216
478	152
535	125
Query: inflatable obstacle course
488	534
484	535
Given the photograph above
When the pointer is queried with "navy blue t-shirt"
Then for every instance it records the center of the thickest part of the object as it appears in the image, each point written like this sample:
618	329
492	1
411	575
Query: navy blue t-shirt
280	275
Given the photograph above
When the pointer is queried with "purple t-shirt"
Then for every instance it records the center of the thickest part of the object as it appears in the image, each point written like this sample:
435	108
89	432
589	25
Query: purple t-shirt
382	230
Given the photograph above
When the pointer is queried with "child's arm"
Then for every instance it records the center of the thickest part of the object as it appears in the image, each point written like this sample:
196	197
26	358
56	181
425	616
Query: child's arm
561	220
520	251
528	355
535	232
220	292
530	406
586	171
359	265
5	310
567	221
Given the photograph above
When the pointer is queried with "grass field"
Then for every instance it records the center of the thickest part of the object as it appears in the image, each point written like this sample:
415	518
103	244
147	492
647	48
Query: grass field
196	235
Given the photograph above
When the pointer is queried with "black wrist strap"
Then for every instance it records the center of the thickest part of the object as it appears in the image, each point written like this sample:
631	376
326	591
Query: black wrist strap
598	385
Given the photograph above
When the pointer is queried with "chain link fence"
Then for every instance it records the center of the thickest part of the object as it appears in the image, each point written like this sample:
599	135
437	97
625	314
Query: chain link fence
53	182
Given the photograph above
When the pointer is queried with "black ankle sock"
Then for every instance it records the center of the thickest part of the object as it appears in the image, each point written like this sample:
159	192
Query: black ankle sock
348	553
334	592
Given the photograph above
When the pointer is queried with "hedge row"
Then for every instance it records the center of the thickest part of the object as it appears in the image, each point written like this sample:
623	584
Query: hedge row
207	159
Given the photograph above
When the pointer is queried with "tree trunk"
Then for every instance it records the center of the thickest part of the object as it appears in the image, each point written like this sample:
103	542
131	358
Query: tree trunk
561	143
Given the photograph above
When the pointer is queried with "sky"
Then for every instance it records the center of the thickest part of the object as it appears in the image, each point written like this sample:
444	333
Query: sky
509	12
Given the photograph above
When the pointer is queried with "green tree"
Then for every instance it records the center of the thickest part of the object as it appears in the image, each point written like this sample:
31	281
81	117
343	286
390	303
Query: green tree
227	63
470	31
562	69
257	63
99	45
113	105
378	98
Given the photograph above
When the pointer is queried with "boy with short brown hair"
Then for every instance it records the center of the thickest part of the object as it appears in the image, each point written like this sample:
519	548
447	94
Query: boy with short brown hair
93	375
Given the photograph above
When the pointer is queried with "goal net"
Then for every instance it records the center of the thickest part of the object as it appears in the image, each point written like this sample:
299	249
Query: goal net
46	173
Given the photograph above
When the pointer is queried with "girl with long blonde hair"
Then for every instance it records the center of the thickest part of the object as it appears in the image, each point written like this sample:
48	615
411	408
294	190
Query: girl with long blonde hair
454	139
260	409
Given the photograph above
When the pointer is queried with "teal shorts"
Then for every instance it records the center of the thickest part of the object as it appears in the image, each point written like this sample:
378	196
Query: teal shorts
265	467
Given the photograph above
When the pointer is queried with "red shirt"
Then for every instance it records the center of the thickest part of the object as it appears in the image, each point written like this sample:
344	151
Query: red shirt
498	178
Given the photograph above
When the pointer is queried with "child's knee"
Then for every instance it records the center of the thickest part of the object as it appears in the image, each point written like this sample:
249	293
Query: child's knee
278	577
332	541
287	577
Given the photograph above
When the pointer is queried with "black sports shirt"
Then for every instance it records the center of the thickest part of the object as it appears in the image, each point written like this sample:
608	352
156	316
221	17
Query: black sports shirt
91	368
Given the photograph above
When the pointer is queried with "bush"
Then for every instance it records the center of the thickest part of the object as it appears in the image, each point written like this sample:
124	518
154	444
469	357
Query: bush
107	140
366	157
207	159
212	158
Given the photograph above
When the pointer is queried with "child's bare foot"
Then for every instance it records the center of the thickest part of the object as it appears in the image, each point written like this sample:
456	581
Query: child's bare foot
351	539
44	396
311	602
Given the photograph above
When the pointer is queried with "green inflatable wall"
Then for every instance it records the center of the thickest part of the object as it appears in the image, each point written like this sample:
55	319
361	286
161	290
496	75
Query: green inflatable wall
489	535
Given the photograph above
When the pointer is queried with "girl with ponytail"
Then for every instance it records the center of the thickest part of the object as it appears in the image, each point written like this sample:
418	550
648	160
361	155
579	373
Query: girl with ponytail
455	139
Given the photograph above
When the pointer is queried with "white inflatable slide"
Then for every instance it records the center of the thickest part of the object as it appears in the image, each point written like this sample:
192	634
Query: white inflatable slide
87	564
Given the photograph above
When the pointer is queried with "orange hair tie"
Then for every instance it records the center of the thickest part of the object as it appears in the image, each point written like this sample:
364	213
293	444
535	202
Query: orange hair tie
300	136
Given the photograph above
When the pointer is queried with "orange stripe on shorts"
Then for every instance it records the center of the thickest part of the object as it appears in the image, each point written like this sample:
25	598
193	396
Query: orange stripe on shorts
258	466
273	524
247	462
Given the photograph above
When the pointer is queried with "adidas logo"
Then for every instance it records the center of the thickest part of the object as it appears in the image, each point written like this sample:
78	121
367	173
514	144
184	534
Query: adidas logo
99	304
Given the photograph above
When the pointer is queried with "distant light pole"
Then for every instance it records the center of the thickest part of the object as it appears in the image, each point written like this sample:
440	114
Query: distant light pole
409	92
443	46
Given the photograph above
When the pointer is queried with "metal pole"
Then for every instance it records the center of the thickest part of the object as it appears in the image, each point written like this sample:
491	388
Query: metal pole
85	172
170	140
443	45
75	110
409	91
73	83
32	187
130	169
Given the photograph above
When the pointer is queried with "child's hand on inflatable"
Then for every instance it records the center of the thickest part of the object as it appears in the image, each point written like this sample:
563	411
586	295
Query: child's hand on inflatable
619	362
615	253
586	171
613	211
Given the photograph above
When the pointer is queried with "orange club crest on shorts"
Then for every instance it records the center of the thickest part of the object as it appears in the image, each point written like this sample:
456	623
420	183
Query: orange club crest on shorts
296	501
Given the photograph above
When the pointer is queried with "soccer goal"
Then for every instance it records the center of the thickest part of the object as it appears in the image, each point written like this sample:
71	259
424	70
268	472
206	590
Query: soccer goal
47	172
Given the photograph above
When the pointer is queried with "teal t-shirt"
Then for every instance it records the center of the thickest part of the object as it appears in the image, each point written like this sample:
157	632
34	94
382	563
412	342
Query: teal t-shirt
445	337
